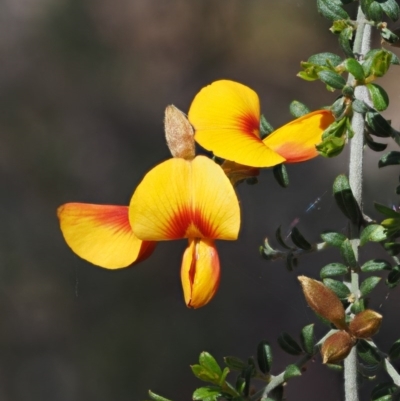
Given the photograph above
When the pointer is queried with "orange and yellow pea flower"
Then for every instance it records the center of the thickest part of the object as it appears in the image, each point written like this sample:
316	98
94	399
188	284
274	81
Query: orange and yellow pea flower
177	199
226	119
191	199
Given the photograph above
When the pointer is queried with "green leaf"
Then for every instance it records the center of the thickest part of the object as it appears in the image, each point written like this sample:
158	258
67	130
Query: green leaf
354	68
375	146
331	9
380	63
373	233
368	285
325	59
345	37
264	356
234	363
377	125
291	371
358	306
345	199
393	278
208	362
333	239
368	353
307	339
298	109
389	36
207	393
389	159
157	397
340	289
299	240
379	97
383	390
265	127
346	250
395	60
331	147
375	265
360	106
393	248
391	9
278	236
338	108
307	76
333	270
204	374
288	344
386	211
394	351
375	12
281	175
332	79
291	261
222	378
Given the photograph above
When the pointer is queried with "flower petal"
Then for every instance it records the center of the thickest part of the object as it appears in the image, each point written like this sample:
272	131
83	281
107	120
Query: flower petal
296	140
200	272
102	235
185	199
226	117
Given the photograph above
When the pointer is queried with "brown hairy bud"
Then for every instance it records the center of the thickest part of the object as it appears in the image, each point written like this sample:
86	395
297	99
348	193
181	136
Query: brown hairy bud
323	301
365	324
336	347
179	134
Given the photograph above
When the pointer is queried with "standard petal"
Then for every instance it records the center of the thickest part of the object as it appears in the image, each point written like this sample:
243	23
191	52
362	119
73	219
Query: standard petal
200	272
226	117
102	235
296	140
185	199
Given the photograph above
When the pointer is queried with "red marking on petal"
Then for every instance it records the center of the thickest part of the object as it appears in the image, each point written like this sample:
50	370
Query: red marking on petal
115	218
250	125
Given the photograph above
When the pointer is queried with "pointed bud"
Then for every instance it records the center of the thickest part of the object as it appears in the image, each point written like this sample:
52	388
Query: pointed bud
179	133
323	301
337	347
365	324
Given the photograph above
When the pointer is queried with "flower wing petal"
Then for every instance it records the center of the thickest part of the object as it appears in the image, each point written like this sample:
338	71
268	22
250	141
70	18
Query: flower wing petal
296	140
102	235
182	199
200	272
226	117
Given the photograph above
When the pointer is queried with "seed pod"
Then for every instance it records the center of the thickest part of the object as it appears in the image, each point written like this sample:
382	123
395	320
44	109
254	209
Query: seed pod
365	324
337	347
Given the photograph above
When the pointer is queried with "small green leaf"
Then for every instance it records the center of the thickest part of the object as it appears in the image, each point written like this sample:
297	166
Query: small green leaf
307	339
383	390
332	79
234	363
333	239
278	236
389	159
222	378
291	261
379	97
207	393
340	289
360	106
298	109
391	9
157	397
393	248
354	68
375	146
389	36
393	278
375	265
264	356
345	199
331	147
346	250
325	59
375	12
333	270
265	127
386	211
291	371
208	362
281	175
345	37
373	233
380	63
331	9
299	240
338	108
377	125
394	351
358	306
368	353
336	368
288	344
203	374
368	285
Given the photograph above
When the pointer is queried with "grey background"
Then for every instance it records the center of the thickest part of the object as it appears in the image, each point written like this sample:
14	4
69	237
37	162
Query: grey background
83	88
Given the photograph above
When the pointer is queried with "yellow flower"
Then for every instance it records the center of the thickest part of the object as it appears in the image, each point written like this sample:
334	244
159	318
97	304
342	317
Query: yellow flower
226	118
188	199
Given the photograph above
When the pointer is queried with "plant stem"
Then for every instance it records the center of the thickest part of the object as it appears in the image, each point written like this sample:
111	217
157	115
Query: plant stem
361	47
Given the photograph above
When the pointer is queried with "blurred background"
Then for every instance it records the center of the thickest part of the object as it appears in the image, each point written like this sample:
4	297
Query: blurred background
83	88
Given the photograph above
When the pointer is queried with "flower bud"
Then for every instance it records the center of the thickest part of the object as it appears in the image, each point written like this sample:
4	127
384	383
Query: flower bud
323	301
337	347
179	134
365	324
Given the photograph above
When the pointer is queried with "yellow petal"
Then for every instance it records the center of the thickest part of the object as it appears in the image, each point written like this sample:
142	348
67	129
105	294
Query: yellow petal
296	140
200	272
226	117
102	235
185	199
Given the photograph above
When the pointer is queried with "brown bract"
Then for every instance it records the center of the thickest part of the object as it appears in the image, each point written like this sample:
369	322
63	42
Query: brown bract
337	347
365	324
